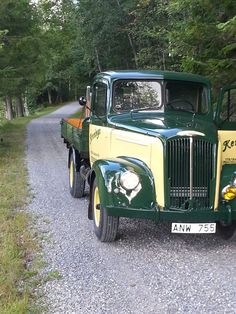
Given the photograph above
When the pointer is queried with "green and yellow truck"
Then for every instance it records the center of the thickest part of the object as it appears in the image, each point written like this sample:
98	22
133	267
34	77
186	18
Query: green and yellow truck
153	146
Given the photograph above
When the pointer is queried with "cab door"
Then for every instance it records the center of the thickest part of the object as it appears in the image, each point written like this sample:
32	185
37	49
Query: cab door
226	122
99	132
226	108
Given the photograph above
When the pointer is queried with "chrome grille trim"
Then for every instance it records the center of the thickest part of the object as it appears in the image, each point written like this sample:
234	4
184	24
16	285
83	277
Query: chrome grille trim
190	169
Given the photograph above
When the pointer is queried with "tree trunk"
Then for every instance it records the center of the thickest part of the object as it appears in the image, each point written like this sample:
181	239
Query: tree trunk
49	96
59	93
76	92
19	106
9	110
98	62
130	39
26	109
60	90
163	60
133	49
69	87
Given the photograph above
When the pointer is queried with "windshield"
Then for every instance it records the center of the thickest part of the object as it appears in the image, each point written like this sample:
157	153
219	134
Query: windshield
136	95
186	96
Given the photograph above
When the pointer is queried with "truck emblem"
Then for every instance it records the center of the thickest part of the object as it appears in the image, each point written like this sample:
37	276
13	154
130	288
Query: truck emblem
228	144
94	135
190	133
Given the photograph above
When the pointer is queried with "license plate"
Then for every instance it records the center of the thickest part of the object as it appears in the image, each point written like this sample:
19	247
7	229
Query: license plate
193	227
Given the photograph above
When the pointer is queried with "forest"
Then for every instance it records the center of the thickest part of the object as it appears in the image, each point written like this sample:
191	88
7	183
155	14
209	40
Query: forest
51	49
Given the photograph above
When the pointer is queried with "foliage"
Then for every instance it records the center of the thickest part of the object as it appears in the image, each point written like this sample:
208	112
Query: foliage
183	35
31	96
58	39
203	37
19	56
103	38
54	47
150	28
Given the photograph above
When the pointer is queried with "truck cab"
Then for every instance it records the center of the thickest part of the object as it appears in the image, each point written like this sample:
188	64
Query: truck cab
157	150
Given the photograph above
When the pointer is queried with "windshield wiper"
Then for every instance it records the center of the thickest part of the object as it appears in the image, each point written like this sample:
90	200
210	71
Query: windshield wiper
144	109
184	110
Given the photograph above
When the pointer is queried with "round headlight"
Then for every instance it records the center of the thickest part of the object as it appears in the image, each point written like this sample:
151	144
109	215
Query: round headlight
234	179
229	192
129	180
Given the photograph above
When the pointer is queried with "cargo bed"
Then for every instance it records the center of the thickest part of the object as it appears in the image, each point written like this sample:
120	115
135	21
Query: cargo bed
75	132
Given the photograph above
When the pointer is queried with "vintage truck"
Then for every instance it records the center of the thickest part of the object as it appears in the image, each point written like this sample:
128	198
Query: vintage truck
153	146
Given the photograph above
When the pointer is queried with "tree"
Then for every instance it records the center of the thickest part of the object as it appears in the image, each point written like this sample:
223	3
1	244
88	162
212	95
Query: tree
50	50
200	37
19	56
149	28
59	27
104	37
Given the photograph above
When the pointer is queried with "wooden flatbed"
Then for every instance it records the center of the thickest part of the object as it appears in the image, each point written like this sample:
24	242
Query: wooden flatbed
75	132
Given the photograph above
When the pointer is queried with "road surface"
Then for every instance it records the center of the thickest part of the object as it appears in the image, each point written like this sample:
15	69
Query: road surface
148	270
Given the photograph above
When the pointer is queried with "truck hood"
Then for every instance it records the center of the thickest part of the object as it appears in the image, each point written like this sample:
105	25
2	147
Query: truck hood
164	125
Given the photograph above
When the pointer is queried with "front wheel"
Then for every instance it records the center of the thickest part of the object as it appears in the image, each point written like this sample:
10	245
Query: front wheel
76	182
105	227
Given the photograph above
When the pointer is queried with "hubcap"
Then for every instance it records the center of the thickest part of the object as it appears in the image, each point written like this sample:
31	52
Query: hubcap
71	174
96	209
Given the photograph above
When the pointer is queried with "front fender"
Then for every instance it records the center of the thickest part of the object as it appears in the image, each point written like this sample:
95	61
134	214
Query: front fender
107	174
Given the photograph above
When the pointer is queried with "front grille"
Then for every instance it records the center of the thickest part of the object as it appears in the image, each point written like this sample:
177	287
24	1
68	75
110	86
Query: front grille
190	168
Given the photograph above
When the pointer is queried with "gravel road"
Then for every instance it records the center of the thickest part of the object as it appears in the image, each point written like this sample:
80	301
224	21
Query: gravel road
148	270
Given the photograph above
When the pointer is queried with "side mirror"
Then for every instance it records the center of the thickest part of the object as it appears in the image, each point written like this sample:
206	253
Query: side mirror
82	101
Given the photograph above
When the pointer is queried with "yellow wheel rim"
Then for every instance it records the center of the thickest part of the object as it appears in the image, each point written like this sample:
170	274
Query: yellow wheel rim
71	173
96	203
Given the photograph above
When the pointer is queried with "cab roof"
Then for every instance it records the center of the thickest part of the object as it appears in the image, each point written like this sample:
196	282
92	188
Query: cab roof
161	75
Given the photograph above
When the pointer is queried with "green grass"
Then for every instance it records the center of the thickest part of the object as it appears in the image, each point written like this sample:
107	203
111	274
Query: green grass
52	275
17	244
79	114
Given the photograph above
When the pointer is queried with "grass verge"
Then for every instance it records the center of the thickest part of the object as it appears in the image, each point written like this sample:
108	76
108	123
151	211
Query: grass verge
79	114
17	244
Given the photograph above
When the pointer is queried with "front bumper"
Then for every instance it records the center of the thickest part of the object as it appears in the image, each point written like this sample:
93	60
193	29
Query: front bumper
225	214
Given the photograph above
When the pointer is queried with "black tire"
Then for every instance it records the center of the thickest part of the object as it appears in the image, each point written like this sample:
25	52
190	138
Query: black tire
76	182
105	227
226	231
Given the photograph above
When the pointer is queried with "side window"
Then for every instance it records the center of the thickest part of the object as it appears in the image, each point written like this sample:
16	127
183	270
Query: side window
228	112
99	98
